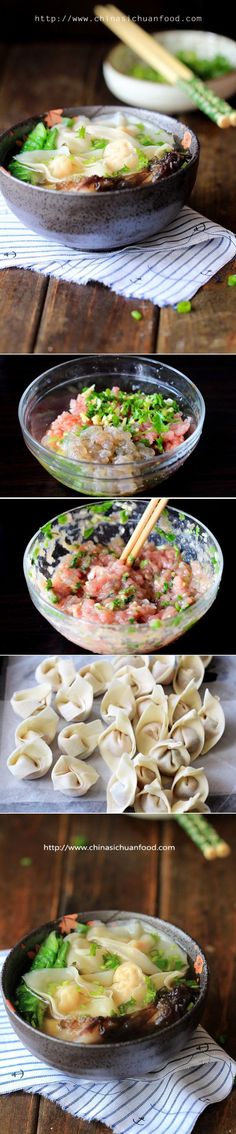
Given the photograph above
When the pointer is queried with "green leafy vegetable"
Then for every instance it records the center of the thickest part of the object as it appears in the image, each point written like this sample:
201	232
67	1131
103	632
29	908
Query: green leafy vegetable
123	1008
36	139
47	953
21	172
29	1006
51	140
111	961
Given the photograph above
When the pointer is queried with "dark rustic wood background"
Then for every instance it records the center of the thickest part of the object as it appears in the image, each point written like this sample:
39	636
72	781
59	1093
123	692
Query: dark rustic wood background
39	314
177	885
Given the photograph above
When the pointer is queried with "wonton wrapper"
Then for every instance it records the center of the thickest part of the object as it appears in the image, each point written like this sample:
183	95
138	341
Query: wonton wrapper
190	668
190	731
163	668
122	786
74	702
136	660
25	702
213	719
57	671
140	680
146	769
171	756
180	703
118	696
99	674
190	787
152	727
80	739
157	696
152	800
43	724
31	760
73	777
206	659
39	980
117	740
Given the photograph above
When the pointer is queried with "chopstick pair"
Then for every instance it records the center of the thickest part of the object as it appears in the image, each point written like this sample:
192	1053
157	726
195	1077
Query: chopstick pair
143	529
171	68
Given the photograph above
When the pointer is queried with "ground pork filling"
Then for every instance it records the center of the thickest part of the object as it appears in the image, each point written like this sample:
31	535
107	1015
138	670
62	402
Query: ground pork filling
92	583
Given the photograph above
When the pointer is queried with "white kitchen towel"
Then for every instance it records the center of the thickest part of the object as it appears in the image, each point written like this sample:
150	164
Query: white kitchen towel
165	269
169	1100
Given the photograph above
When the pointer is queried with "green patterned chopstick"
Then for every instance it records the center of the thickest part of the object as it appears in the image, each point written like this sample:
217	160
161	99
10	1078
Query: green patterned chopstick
204	835
171	68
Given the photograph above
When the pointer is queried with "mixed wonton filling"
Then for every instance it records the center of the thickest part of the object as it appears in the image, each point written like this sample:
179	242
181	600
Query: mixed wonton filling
113	426
92	583
108	981
99	153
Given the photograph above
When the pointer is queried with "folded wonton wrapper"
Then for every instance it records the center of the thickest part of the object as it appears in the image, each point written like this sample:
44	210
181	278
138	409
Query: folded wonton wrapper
80	739
31	760
190	668
58	671
143	702
206	659
190	787
118	696
140	680
180	703
152	800
74	702
213	719
152	727
146	769
163	668
122	786
73	777
42	724
99	674
190	731
117	740
25	702
138	661
170	756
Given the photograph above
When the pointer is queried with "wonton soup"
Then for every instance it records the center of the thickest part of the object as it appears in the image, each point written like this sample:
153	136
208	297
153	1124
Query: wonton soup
101	153
110	981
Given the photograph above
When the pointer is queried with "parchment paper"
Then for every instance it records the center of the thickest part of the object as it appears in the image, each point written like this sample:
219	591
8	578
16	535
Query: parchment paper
39	795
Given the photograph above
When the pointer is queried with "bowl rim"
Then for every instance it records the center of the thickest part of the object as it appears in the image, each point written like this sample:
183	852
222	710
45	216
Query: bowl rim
67	193
160	36
157	460
168	1030
169	622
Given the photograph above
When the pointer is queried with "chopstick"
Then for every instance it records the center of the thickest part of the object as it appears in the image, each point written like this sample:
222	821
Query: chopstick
204	836
171	68
143	529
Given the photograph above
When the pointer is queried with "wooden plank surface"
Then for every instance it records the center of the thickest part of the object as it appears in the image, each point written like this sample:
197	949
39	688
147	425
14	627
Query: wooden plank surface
67	317
178	885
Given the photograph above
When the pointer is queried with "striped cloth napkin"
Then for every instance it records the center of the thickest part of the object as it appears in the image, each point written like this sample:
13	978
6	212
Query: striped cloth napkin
165	269
169	1100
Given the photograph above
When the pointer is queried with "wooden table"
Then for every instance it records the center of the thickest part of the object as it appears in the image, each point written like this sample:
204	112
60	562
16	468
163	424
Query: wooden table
177	885
39	314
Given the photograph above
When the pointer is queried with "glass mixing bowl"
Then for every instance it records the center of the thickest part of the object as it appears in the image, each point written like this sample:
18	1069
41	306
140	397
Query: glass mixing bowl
51	393
57	537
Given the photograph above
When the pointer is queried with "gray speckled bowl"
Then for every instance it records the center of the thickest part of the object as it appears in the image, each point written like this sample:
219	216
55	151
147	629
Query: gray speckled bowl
108	1060
96	221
